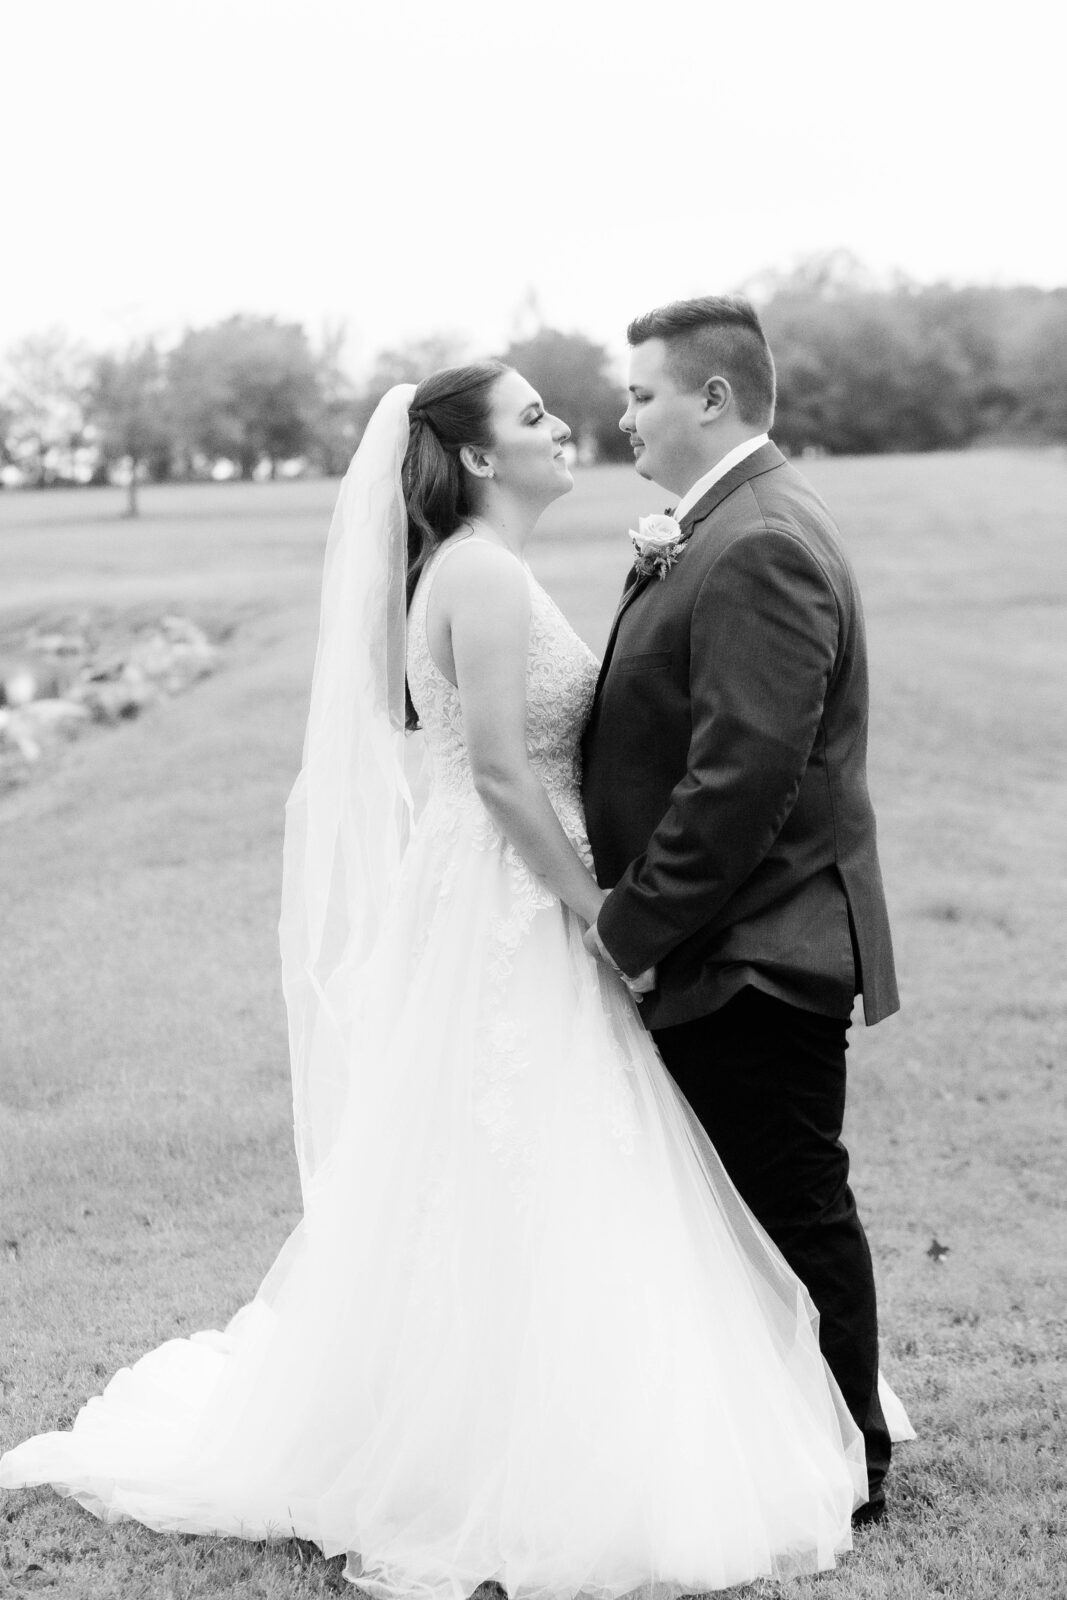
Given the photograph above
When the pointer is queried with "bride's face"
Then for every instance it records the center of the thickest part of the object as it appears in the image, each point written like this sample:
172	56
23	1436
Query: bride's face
527	451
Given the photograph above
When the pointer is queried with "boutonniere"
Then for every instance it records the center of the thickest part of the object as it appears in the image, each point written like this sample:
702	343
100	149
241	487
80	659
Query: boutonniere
659	542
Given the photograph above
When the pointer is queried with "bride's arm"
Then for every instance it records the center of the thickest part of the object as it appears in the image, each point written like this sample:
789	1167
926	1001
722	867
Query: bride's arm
484	598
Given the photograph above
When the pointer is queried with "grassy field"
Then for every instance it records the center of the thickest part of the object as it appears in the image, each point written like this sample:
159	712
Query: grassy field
147	1173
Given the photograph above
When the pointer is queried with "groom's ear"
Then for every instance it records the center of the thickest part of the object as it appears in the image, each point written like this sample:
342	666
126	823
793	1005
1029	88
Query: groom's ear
717	395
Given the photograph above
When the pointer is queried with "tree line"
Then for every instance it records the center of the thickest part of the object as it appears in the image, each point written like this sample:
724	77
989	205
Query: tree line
862	368
250	394
865	369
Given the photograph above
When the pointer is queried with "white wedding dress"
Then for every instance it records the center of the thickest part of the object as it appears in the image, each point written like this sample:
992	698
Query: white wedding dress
526	1330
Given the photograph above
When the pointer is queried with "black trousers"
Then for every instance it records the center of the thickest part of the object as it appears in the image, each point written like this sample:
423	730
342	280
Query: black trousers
767	1081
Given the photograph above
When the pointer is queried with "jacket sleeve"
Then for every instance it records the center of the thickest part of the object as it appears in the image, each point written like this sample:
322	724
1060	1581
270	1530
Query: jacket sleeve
763	641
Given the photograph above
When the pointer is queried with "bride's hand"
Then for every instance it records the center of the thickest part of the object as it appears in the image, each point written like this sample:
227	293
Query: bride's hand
644	982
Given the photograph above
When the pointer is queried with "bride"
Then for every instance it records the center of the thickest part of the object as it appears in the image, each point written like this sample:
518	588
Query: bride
527	1330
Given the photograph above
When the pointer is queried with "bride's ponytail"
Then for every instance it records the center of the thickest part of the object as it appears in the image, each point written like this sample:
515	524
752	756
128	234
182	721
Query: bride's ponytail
450	409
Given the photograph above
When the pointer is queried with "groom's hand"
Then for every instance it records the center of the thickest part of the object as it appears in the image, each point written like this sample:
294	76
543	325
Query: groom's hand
643	984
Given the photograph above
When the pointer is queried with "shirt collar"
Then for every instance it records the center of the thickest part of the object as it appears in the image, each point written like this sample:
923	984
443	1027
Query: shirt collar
719	470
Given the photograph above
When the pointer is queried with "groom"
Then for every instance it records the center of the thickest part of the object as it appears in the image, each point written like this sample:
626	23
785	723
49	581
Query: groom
725	792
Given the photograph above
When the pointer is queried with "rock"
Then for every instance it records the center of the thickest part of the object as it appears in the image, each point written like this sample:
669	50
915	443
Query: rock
111	700
18	683
16	735
60	715
175	654
106	671
59	644
29	728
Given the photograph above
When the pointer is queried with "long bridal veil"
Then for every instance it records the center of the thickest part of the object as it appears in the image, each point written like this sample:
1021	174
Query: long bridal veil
348	818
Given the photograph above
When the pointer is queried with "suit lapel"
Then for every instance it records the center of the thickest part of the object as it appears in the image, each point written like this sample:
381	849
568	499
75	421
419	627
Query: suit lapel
765	459
634	586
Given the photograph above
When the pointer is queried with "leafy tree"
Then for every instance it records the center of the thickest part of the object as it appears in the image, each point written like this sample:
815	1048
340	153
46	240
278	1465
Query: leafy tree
825	275
410	363
407	363
129	407
338	426
44	389
247	389
862	369
8	417
573	375
1034	363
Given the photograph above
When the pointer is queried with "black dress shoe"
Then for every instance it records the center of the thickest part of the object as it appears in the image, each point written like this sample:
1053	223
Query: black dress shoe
866	1516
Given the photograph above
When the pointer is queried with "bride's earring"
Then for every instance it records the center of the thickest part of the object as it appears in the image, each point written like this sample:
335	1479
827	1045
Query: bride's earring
490	473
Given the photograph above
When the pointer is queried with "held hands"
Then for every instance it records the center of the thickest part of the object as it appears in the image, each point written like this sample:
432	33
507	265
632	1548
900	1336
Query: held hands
643	984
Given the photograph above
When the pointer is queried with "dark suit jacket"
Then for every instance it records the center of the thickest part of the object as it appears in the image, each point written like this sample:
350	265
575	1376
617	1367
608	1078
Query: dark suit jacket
725	780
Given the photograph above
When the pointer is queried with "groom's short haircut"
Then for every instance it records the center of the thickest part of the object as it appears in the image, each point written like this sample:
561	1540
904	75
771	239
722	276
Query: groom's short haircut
715	336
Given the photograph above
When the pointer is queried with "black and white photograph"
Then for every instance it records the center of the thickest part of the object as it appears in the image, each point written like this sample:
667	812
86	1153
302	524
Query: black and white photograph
533	801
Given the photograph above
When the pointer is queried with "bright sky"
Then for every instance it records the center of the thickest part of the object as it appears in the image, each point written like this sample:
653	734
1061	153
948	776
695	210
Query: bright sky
410	166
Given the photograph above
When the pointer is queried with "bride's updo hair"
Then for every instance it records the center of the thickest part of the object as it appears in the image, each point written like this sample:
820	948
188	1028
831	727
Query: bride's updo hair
449	409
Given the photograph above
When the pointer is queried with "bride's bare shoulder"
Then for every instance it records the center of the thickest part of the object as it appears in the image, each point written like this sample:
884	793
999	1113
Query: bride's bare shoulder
475	570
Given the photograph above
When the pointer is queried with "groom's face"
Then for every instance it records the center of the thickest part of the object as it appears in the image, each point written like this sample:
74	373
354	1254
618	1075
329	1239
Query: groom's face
663	422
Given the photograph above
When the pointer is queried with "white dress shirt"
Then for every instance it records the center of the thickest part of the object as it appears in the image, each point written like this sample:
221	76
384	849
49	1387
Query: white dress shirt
719	470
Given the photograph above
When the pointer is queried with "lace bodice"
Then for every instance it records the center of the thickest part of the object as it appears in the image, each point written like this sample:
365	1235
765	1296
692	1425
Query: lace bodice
561	678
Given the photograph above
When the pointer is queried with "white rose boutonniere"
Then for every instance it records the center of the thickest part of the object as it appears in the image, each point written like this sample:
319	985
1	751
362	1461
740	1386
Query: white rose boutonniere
658	542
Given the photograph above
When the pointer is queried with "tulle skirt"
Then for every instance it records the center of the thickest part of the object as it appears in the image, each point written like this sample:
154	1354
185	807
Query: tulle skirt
526	1331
